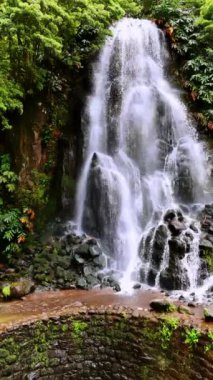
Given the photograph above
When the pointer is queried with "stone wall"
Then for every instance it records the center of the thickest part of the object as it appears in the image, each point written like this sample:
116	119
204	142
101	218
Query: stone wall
106	345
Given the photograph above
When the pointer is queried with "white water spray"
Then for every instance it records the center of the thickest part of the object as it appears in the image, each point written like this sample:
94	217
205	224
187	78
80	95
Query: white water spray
142	156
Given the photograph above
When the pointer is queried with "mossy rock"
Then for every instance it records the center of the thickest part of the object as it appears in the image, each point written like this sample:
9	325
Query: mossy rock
18	289
162	305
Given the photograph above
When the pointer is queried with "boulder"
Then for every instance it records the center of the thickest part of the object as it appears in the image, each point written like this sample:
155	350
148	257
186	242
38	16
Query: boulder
169	215
176	227
18	289
92	280
94	251
117	287
177	247
137	285
208	314
205	244
100	261
194	228
162	305
88	270
81	283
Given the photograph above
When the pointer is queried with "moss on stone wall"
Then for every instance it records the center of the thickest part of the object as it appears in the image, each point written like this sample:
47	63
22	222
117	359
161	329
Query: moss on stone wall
105	346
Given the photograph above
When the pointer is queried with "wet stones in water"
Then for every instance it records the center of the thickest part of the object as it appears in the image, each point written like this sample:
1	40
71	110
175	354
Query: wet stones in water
175	222
111	282
137	286
169	216
176	227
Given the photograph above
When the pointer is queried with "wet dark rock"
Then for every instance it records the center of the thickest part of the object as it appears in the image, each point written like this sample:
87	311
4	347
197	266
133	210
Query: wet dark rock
95	251
176	227
137	286
65	262
160	238
169	215
189	235
205	243
191	304
181	298
162	305
208	313
117	287
92	280
100	261
177	247
87	270
203	271
174	277
110	281
193	228
152	276
81	283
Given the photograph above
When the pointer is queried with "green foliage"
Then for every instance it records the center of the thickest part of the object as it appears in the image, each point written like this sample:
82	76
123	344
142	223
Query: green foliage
41	345
165	9
191	36
79	327
35	194
8	178
169	325
6	291
11	228
209	346
192	336
38	38
208	257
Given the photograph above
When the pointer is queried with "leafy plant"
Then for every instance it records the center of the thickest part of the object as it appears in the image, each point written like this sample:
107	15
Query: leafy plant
169	325
192	336
12	230
6	291
38	38
209	346
189	26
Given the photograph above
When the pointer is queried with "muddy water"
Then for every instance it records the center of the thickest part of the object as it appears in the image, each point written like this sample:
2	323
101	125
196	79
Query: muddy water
49	304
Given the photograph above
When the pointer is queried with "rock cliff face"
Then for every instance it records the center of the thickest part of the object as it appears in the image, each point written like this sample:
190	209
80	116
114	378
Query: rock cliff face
102	343
46	145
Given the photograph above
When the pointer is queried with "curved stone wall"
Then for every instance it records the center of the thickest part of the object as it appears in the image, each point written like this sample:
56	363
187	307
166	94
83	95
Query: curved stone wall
106	345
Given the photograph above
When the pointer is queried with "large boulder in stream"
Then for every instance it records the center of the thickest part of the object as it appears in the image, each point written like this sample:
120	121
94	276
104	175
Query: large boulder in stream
18	289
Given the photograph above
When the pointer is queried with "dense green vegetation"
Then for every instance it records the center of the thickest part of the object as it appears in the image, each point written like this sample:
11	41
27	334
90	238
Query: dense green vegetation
38	36
43	41
189	28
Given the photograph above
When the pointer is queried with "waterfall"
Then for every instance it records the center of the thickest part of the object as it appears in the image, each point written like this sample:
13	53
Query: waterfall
141	156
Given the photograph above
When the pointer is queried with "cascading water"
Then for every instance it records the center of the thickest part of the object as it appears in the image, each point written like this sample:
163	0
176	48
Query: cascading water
141	158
